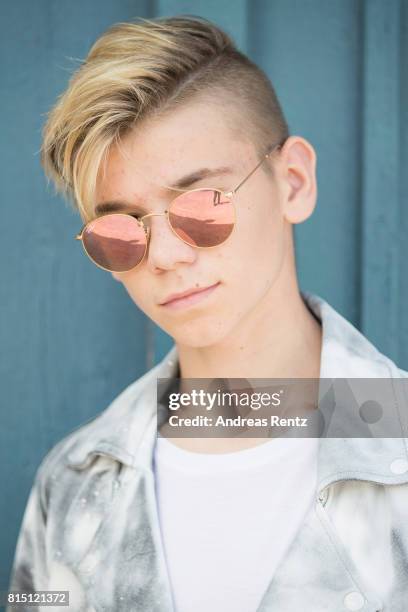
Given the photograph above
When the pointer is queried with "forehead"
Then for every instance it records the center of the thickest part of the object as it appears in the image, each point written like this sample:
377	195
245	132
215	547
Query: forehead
161	150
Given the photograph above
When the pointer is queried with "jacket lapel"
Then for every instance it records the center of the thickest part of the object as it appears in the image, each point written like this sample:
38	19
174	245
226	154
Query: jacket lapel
127	547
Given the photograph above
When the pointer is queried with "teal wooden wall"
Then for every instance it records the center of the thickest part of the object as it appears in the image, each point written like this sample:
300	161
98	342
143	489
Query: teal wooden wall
71	340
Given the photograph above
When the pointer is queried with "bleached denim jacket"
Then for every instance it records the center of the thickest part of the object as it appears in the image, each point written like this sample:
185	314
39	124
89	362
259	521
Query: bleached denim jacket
91	524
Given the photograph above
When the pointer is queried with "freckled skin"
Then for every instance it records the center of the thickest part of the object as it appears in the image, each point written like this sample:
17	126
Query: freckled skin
255	266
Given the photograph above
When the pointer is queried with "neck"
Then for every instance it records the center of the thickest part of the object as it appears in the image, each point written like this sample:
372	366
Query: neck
281	339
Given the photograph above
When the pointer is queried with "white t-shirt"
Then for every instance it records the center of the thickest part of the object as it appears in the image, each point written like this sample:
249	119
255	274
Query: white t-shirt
228	519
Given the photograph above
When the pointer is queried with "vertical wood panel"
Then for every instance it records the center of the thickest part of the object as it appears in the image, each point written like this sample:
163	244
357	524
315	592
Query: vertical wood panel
381	175
403	193
310	49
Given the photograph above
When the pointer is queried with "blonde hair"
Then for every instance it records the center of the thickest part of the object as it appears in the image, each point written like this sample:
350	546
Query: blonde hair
143	69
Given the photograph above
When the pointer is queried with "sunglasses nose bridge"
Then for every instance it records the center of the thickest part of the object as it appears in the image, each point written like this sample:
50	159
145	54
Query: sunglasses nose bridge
147	227
153	215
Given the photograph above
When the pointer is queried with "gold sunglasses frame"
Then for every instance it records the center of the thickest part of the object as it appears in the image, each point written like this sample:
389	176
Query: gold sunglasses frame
227	194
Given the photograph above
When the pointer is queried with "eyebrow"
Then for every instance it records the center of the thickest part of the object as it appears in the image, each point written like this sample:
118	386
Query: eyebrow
182	183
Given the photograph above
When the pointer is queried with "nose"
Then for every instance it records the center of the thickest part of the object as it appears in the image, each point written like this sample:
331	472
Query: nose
165	249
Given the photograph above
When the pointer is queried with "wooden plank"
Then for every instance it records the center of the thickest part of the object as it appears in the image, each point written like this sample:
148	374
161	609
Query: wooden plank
381	175
403	227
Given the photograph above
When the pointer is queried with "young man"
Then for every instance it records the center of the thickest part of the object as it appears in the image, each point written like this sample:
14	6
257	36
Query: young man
178	157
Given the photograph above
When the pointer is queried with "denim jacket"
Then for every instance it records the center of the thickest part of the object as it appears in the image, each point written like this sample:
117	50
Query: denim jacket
91	524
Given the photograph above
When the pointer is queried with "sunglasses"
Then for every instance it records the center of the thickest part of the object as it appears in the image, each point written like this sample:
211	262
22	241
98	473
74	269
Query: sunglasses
203	218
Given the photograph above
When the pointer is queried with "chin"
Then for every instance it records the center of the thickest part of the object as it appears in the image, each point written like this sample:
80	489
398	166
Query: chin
198	334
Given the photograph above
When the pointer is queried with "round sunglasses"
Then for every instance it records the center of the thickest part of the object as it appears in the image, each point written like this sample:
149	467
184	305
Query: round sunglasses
203	218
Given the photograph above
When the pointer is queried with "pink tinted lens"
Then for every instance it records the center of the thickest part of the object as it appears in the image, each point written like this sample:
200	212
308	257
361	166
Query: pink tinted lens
117	242
203	218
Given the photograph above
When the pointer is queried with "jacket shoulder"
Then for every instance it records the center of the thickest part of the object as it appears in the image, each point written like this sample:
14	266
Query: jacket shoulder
86	435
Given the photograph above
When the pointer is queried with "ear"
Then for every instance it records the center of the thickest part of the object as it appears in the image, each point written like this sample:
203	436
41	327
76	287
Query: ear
298	179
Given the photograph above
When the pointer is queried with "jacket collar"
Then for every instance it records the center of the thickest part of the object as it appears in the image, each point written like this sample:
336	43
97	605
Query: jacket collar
126	430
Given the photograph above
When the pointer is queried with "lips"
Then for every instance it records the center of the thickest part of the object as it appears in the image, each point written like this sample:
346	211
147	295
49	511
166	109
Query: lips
182	294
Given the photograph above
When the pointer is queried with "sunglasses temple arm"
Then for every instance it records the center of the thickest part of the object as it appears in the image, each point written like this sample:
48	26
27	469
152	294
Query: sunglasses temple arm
79	235
256	168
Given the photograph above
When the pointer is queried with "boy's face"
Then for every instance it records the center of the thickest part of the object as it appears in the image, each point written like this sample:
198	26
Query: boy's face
247	267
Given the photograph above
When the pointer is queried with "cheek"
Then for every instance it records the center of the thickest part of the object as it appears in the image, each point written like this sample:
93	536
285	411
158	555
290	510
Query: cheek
258	238
135	284
253	260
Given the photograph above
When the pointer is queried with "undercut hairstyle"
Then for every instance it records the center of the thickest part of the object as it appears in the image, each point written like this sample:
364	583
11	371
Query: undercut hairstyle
143	70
